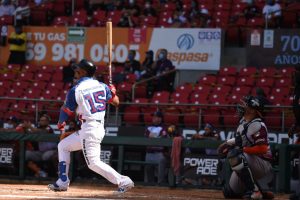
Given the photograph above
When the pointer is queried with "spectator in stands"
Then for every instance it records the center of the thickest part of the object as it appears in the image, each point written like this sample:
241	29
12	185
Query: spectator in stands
132	65
22	12
179	19
204	18
133	9
10	125
149	10
147	65
156	154
6	8
125	20
44	153
68	72
272	13
251	10
17	48
162	66
210	133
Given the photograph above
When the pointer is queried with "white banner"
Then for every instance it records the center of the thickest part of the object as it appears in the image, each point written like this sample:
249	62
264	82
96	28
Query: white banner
189	49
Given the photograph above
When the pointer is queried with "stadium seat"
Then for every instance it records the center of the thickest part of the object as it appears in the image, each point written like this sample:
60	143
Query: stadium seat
43	77
212	117
171	116
226	80
38	85
241	90
275	100
230	118
198	98
280	91
283	82
267	72
149	21
49	94
61	21
39	16
265	82
15	92
147	114
228	71
99	17
7	76
6	20
208	80
248	71
46	69
286	71
222	90
21	84
55	86
114	16
26	76
200	88
160	97
234	98
218	99
132	115
246	81
191	119
256	22
32	93
273	119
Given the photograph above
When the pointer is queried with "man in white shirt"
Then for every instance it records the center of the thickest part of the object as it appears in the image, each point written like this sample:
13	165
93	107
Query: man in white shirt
272	13
6	8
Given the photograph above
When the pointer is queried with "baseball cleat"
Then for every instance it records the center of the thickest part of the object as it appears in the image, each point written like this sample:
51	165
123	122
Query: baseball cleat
125	185
255	195
54	187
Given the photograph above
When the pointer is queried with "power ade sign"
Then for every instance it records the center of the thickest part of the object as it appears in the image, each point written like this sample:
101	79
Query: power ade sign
200	165
196	49
6	155
273	47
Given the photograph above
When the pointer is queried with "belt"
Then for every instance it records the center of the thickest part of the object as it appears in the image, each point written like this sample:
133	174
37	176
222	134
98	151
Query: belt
99	121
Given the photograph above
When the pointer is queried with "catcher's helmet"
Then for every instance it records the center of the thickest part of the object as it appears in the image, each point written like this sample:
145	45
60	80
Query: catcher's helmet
86	65
252	102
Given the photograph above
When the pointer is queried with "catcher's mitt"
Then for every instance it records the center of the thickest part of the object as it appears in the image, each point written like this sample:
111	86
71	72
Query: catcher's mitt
65	134
223	149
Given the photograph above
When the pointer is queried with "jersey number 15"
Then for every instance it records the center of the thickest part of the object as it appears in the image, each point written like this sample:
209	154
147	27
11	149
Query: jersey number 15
96	101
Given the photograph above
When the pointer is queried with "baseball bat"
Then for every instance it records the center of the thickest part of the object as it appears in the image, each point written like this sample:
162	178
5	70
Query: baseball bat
109	46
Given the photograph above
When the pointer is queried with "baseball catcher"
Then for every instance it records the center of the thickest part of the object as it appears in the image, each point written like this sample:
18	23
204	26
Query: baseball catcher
88	98
248	154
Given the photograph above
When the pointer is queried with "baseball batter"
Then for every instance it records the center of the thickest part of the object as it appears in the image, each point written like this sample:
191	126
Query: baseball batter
88	98
249	154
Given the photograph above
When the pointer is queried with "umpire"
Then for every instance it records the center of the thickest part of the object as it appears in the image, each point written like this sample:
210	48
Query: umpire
249	154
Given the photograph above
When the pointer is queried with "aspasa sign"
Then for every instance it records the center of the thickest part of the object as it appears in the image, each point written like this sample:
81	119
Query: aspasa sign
200	165
195	49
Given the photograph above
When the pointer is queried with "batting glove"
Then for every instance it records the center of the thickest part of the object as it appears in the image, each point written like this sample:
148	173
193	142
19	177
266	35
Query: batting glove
113	90
61	126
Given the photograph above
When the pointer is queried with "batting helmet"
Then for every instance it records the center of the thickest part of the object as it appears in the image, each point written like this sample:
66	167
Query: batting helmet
87	66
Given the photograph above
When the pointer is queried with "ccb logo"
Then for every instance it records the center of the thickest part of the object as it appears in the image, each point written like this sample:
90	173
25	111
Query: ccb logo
185	42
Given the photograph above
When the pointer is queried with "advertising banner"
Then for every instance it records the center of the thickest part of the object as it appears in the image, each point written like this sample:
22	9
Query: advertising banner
200	165
195	49
278	48
6	155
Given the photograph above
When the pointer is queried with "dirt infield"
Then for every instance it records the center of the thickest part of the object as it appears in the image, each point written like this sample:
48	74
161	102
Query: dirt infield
77	192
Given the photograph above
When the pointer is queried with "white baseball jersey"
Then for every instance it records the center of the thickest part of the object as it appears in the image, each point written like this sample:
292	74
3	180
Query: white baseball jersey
88	98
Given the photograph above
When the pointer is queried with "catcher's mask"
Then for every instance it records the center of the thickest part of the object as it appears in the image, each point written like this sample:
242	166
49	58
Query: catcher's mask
252	103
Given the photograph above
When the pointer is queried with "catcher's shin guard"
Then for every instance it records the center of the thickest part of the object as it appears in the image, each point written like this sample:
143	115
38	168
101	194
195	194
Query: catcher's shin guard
229	193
